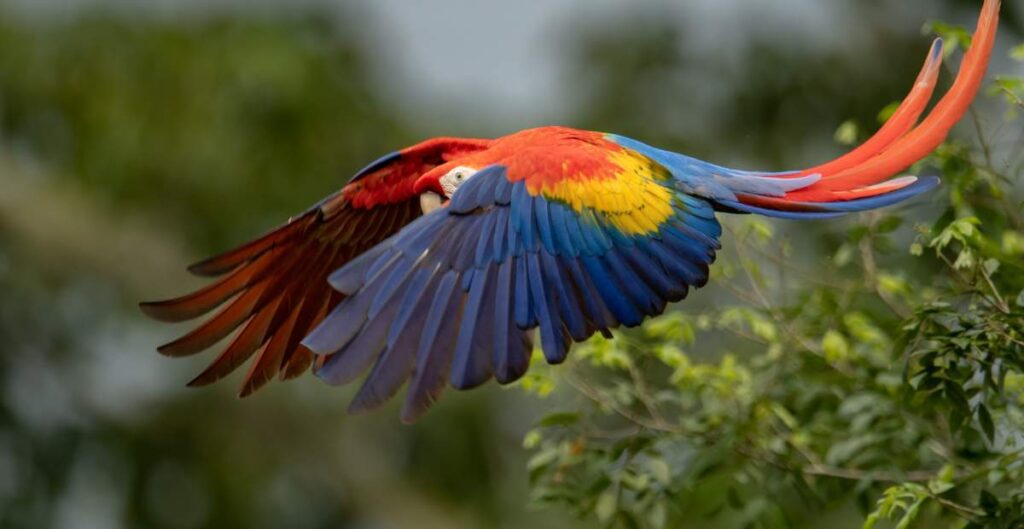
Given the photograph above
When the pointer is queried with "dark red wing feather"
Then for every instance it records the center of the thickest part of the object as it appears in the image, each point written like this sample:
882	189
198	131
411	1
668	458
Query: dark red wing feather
274	289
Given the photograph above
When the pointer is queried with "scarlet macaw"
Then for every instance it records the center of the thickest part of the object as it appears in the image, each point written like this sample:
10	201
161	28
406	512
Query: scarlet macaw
569	231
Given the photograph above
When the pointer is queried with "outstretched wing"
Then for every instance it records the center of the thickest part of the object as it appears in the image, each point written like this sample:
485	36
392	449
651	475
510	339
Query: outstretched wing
274	288
571	245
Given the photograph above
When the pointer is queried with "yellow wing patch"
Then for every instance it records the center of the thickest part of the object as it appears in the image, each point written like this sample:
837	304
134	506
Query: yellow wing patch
626	191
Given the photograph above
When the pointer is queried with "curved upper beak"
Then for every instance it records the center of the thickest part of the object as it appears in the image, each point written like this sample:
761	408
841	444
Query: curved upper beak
430	181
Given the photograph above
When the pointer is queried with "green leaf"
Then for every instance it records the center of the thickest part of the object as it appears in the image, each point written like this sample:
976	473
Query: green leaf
965	259
559	419
658	516
847	133
988	502
991	266
843	255
1017	52
892	283
845	449
910	515
607	505
636	482
888	111
835	347
732	496
660	470
987	426
532	439
957	397
889	224
1012	243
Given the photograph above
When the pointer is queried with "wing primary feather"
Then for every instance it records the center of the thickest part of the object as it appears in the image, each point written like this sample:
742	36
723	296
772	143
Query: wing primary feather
509	363
466	242
390	284
597	313
433	357
268	360
563	240
353	274
679	265
649	267
394	366
220	325
502	229
543	223
636	289
524	310
568	305
522	213
227	261
551	338
355	357
484	255
471	365
212	296
611	293
314	309
342	325
251	337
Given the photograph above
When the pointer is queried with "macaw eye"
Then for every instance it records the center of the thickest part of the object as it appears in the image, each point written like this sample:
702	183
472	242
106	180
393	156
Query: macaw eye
454	178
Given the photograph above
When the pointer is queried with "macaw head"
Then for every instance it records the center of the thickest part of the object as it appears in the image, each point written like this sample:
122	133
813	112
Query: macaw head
437	186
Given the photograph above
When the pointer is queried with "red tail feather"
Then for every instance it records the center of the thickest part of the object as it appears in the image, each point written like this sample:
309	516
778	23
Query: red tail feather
901	122
887	157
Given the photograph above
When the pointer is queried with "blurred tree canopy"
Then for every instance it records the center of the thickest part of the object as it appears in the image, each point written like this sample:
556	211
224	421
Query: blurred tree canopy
868	369
212	122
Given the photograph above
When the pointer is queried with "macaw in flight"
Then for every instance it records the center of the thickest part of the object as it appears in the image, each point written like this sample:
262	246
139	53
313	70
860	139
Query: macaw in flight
435	264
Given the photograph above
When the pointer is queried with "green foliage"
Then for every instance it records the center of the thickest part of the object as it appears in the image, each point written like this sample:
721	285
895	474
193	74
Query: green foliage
892	377
211	122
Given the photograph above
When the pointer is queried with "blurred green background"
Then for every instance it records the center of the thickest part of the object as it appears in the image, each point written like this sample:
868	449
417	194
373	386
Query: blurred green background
137	137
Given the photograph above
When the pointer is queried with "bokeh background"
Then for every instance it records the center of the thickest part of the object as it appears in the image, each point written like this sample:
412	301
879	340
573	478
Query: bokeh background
138	136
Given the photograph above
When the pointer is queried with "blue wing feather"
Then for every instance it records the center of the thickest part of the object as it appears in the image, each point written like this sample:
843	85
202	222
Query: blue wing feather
563	242
395	365
523	304
550	324
501	236
543	223
470	368
484	244
610	291
510	342
433	357
454	297
569	311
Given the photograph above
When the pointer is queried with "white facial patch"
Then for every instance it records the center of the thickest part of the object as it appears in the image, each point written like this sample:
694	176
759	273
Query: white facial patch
451	181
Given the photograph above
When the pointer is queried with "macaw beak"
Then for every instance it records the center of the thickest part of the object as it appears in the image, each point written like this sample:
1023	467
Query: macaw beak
429	201
428	187
431	181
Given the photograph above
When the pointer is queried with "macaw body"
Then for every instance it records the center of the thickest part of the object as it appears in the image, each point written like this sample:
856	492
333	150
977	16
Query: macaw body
443	259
